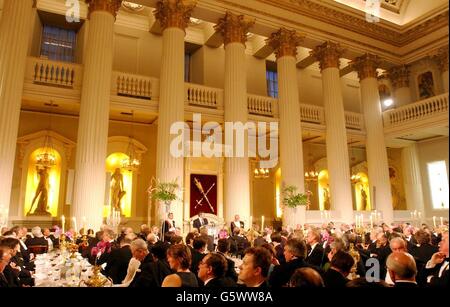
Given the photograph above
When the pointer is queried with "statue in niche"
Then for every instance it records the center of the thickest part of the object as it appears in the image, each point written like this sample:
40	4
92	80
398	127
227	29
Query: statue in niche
42	193
363	199
326	198
117	190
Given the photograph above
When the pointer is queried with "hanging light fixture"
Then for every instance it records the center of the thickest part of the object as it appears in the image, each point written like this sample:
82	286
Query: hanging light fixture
311	174
132	162
261	173
47	158
354	178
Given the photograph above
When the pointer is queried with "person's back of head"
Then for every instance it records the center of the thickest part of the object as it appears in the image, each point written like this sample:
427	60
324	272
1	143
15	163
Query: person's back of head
199	243
223	246
176	240
306	278
275	237
218	264
343	262
126	241
422	237
190	238
297	248
401	266
362	282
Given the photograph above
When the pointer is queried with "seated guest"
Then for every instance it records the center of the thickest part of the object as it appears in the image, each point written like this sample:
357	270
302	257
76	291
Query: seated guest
255	267
141	256
237	223
211	271
118	260
9	273
279	247
51	240
175	239
17	273
197	253
223	248
381	252
200	221
397	245
306	278
340	266
273	260
362	282
209	239
315	249
294	253
37	239
436	269
151	240
145	231
238	242
5	256
155	231
423	252
190	240
402	270
179	258
335	246
103	249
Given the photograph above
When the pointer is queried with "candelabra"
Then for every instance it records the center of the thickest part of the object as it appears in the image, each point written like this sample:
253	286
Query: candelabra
114	219
356	257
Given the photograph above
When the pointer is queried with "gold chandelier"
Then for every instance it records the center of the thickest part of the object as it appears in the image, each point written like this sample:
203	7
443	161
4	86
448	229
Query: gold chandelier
47	158
354	178
132	162
261	173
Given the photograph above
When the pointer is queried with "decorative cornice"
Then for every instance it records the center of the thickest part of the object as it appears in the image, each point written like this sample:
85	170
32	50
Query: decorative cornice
110	6
442	58
366	66
328	55
358	24
399	76
284	42
174	13
234	28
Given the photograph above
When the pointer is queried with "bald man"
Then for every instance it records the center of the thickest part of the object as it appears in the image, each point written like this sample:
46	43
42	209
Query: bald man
402	270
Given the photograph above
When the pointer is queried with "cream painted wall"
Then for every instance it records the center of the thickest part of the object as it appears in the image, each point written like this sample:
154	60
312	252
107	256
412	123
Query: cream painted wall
34	47
263	199
67	126
137	51
430	151
197	66
256	76
213	66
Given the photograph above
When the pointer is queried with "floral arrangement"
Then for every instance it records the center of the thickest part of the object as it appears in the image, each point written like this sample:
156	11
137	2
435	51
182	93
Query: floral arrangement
163	191
102	247
292	199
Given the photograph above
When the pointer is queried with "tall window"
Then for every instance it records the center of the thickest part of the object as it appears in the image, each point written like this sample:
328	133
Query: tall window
58	44
437	174
272	83
187	67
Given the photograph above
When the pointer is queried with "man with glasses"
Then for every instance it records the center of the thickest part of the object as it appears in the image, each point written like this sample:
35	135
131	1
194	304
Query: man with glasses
212	269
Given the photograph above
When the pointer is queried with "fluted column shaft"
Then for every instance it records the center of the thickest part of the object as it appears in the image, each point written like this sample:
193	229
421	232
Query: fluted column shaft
290	135
237	182
90	176
337	150
376	152
171	110
15	29
412	178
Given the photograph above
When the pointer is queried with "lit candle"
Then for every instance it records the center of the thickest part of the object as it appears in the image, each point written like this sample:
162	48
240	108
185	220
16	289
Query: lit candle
262	223
74	223
63	222
84	224
434	221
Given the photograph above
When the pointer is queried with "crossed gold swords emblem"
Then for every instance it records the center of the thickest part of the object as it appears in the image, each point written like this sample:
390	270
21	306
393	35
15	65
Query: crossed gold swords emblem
199	186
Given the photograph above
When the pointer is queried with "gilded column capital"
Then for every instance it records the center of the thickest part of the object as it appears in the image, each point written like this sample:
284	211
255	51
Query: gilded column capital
234	28
366	66
328	55
442	58
174	13
399	76
284	42
110	6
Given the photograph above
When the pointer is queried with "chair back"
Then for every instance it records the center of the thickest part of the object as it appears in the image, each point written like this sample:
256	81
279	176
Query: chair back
38	249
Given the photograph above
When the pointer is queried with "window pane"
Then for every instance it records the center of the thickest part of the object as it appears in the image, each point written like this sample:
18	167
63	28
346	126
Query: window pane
437	174
272	83
187	67
58	44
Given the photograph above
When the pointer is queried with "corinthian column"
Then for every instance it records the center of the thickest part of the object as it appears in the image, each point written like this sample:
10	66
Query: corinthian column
15	28
237	186
285	43
90	173
399	77
328	55
377	161
442	60
412	178
173	16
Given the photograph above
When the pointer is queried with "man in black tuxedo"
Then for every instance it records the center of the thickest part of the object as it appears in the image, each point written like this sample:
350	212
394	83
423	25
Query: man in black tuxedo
223	247
200	221
198	253
437	268
211	271
278	246
255	267
402	270
169	224
236	223
340	267
295	254
315	255
117	263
